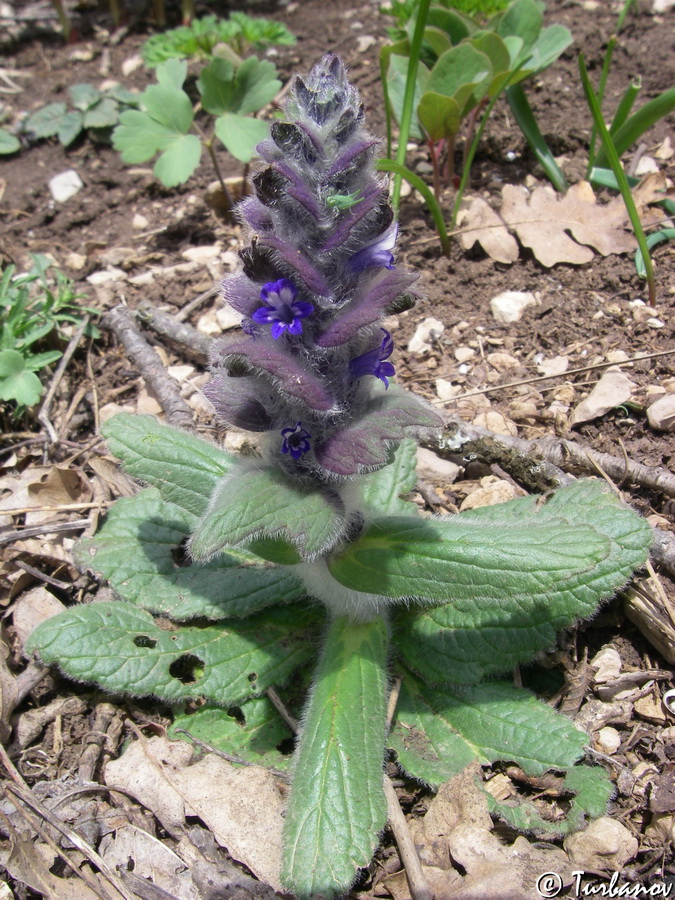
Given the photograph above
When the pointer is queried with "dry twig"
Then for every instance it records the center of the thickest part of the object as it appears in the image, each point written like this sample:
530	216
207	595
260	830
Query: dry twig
150	365
43	415
179	332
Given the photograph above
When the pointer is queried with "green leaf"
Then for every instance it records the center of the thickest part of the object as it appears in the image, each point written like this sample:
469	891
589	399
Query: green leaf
9	143
138	136
170	106
510	576
439	116
38	361
642	120
440	731
83	96
256	85
179	160
185	469
71	127
262	503
251	731
552	42
172	73
337	806
17	382
656	237
397	73
527	123
592	788
122	649
241	134
139	548
46	121
522	19
462	73
104	114
380	492
216	86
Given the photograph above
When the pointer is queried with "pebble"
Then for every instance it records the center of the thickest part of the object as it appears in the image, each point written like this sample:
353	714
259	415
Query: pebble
503	362
650	708
556	366
427	331
608	740
446	390
605	844
103	276
496	422
203	253
607	665
491	492
65	185
139	222
131	63
433	468
227	318
510	306
464	354
661	413
364	42
613	389
617	356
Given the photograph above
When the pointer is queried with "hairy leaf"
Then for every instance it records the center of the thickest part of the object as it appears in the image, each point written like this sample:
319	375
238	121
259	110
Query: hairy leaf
140	550
185	469
337	806
122	649
9	143
46	121
252	731
379	493
262	503
440	731
510	576
592	788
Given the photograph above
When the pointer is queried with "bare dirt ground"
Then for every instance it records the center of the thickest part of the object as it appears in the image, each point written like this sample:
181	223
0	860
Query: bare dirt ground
125	239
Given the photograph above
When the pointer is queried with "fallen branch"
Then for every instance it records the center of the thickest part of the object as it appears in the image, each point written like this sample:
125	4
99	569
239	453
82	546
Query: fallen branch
179	332
544	461
150	366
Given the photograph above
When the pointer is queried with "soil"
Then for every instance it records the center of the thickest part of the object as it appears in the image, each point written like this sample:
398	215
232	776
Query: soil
125	224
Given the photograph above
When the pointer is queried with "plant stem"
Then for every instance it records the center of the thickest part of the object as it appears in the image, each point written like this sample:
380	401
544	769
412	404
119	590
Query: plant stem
409	96
433	154
208	143
450	165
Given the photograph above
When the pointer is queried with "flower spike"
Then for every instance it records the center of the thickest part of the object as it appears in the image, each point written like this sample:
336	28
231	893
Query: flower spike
281	308
373	362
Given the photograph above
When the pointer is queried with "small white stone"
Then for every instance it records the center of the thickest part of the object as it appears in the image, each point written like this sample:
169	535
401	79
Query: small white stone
65	185
446	390
656	323
617	356
208	323
556	366
202	253
139	222
607	664
464	354
496	422
131	63
503	362
661	414
662	6
428	330
103	276
432	468
227	318
613	389
608	740
181	373
605	844
364	42
646	166
144	279
491	492
75	261
509	306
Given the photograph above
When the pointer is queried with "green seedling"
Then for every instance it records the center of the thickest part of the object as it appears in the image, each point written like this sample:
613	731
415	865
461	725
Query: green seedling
33	308
166	121
199	39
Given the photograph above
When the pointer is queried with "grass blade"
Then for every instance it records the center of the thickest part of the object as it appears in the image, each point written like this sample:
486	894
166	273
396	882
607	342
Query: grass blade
400	171
638	123
524	116
666	234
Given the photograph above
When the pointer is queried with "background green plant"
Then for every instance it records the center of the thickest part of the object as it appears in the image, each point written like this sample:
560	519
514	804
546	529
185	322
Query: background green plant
34	307
166	121
88	110
199	39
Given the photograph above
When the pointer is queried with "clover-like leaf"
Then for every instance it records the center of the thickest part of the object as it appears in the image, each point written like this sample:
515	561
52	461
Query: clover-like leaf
216	86
337	805
184	468
261	502
241	134
103	114
140	550
84	95
71	127
46	121
17	382
122	649
9	143
509	576
440	731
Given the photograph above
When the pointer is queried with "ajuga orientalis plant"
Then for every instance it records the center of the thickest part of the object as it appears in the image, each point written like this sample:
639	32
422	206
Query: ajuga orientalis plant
308	542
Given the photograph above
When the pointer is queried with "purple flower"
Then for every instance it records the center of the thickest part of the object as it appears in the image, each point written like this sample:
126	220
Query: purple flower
376	254
281	308
373	362
296	441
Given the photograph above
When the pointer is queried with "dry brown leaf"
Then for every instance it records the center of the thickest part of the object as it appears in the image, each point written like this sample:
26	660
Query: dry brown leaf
488	228
242	807
563	229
